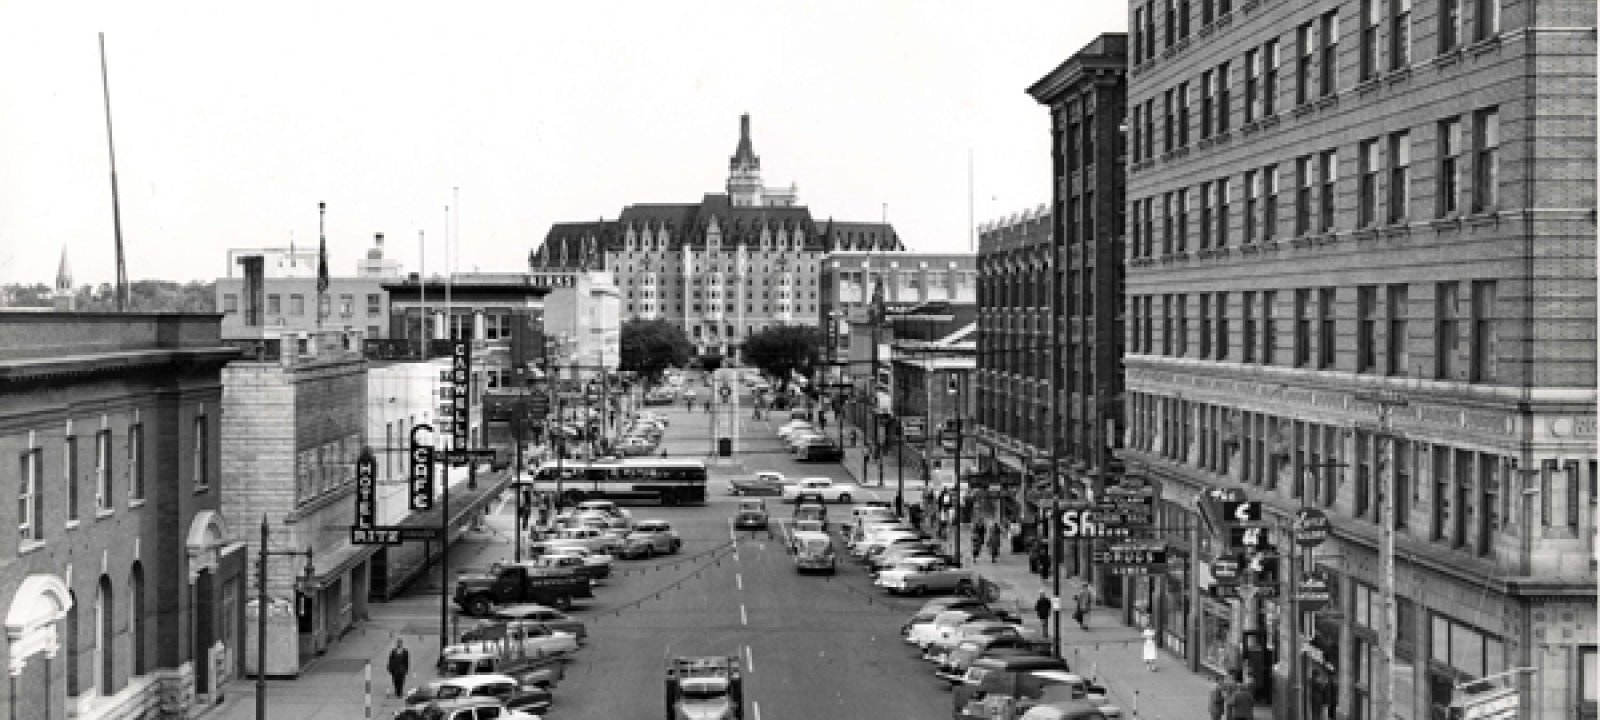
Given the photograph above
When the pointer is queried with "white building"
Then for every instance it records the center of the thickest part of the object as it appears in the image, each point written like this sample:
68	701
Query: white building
583	319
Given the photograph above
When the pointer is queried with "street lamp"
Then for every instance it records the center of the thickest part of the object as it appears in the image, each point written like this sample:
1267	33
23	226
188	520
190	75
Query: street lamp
261	611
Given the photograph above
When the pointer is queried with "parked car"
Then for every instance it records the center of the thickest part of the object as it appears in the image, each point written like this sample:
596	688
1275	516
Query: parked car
813	551
649	538
818	448
464	709
587	537
636	446
897	554
603	506
810	509
545	671
794	426
551	617
984	631
762	483
917	576
752	515
821	488
578	559
520	638
800	439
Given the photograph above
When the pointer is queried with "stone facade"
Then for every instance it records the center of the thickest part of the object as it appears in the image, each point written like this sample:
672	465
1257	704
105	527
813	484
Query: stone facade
1360	258
124	587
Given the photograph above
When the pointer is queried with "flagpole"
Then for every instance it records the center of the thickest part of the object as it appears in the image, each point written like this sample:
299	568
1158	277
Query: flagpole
322	259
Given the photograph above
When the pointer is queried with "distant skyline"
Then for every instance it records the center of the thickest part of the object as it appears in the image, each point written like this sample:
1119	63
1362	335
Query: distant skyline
231	125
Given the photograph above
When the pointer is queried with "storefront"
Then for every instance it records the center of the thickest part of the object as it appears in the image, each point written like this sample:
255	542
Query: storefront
1217	652
1172	604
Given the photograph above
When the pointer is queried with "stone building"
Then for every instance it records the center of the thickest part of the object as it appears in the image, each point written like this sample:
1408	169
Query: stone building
293	423
723	268
124	587
1361	278
283	299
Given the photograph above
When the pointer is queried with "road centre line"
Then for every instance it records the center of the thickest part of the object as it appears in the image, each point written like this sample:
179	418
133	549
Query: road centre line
738	579
743	618
749	660
755	707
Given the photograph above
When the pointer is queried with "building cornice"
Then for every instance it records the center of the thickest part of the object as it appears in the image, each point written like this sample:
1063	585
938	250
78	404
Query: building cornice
111	363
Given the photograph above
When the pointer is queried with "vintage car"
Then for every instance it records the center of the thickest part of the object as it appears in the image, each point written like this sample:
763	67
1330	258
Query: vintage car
551	617
818	448
808	525
650	538
603	506
636	445
752	515
589	563
545	671
895	554
813	551
975	607
917	576
519	638
810	510
506	689
592	538
984	630
794	426
464	709
762	483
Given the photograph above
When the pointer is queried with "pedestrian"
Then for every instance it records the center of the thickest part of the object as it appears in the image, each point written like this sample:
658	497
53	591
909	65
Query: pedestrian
399	666
915	511
822	421
977	547
994	543
1042	607
977	532
1218	700
1081	614
1241	702
1150	649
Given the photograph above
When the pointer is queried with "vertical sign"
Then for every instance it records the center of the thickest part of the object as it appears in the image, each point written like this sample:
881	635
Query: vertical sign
420	467
366	490
461	379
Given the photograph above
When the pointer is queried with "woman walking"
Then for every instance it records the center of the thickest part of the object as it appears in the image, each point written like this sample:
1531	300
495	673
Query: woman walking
994	544
1150	649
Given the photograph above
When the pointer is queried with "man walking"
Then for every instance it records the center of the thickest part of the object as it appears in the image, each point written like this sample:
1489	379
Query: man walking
399	666
1042	607
994	543
1081	614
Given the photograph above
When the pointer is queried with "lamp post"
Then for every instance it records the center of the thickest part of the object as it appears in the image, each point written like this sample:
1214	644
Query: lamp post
261	611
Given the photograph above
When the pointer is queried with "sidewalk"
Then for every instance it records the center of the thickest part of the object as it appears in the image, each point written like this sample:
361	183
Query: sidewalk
1108	650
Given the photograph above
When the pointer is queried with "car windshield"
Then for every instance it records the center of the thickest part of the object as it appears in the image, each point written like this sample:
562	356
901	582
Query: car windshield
704	690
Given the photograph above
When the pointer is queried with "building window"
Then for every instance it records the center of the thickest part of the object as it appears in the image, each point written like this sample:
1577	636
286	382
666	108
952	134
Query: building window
1138	34
1269	202
1205	326
1449	25
1222	98
375	304
1150	32
136	461
1329	168
1330	52
274	305
297	305
1302	327
1439	512
1483	363
1149	323
201	455
1396	356
1327	335
1486	159
102	470
1302	191
1150	128
1447	331
1252	75
1149	226
1183	19
69	467
1269	327
1168	108
1183	325
1485	19
1183	219
347	305
1304	47
1134	127
1368	180
1088	143
1172	24
1449	178
1366	328
1221	304
1183	114
1369	40
1399	34
1247	341
1166	224
28	500
230	303
1166	325
1222	212
1205	215
1399	176
1269	79
1252	181
1207	101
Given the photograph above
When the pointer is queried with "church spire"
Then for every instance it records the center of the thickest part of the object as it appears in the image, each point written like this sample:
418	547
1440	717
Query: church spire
744	156
744	170
64	273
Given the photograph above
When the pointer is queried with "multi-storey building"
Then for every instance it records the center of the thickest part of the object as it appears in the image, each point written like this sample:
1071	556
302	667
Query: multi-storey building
286	303
1360	279
723	268
124	587
1013	369
908	279
583	320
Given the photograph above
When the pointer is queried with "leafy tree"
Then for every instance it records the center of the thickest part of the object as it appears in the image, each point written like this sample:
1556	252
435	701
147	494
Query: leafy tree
649	347
143	296
781	350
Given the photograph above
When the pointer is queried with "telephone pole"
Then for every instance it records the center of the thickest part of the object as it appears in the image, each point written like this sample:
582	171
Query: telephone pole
1387	635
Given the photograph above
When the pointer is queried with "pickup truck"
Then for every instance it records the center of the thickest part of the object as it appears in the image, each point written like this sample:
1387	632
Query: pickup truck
478	593
822	489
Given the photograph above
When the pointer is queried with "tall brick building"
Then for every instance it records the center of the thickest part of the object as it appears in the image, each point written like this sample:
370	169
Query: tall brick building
124	586
1352	220
733	263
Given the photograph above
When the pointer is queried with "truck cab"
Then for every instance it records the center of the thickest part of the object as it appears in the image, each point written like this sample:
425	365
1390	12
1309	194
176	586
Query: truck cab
506	584
705	688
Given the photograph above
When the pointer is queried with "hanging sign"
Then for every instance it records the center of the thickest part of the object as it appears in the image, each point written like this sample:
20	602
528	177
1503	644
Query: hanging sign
1310	527
366	490
1313	593
461	381
420	469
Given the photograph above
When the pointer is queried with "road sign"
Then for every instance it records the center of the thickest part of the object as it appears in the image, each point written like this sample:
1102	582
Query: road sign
420	487
1310	527
1226	494
390	535
1313	592
1226	569
1249	538
1089	524
420	534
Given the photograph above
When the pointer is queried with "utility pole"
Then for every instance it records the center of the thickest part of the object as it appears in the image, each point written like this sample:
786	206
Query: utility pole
261	611
1386	402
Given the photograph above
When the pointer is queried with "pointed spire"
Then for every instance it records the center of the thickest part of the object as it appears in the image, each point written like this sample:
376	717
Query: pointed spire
745	155
64	272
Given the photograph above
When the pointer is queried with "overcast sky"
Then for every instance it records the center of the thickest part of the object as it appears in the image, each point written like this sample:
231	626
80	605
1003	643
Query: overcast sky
232	125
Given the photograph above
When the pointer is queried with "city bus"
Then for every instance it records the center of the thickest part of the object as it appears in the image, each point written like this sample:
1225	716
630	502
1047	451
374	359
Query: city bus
670	481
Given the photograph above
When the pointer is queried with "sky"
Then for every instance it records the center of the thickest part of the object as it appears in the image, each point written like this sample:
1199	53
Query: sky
232	121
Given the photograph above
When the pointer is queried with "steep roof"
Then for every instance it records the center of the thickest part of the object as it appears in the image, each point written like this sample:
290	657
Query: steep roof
64	272
745	154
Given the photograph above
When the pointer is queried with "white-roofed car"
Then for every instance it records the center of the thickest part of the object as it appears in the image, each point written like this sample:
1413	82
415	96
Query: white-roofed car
524	637
649	538
923	631
551	617
919	576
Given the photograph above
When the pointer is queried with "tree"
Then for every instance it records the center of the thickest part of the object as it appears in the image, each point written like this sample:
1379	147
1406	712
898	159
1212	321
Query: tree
649	347
152	296
782	350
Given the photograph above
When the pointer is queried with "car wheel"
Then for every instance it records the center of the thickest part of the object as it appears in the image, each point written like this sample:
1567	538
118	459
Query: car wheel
844	497
676	545
649	551
563	602
479	606
965	588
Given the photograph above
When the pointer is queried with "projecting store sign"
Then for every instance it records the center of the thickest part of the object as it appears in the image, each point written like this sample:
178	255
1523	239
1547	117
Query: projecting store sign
366	490
461	379
1310	527
421	472
1313	592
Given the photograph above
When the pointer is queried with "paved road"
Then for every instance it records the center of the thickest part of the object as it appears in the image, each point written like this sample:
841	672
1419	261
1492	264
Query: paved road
813	646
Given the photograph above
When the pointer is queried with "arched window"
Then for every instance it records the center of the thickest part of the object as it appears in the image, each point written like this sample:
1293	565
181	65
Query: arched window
74	650
104	638
136	618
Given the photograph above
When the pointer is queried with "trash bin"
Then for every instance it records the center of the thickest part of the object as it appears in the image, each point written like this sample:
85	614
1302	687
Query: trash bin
724	447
